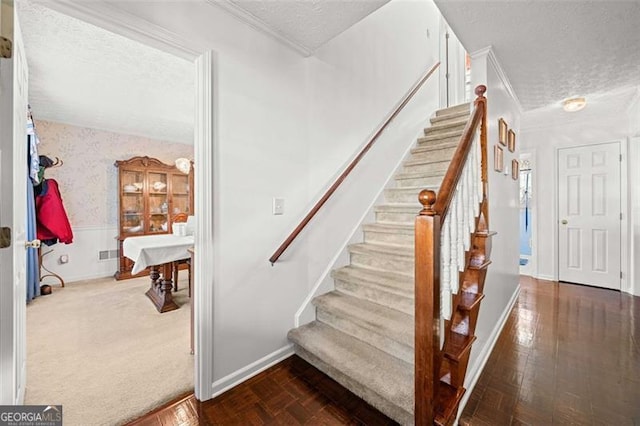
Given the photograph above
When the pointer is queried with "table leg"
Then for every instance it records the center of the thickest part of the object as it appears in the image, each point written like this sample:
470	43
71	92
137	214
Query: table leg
160	291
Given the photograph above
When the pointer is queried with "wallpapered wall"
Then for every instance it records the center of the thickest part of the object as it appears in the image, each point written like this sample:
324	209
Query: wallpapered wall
88	179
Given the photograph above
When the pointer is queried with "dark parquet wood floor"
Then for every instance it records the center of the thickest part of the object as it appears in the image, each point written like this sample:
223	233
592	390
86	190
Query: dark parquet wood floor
568	355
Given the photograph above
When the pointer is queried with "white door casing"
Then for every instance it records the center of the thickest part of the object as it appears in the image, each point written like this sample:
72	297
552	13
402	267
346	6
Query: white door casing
589	214
13	144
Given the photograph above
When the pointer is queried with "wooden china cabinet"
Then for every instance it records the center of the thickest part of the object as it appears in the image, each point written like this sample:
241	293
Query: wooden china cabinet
150	194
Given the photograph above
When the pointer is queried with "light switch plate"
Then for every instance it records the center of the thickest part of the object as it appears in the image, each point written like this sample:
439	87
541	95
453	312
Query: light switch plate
278	206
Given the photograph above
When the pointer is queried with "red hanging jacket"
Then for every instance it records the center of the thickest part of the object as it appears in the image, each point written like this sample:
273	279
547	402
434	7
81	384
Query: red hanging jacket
51	218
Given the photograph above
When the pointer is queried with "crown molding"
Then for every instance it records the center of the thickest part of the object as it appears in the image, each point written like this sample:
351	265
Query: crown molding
258	25
113	18
634	100
491	56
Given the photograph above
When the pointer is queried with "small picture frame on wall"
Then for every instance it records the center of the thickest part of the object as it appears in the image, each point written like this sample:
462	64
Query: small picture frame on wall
515	169
502	131
498	158
512	141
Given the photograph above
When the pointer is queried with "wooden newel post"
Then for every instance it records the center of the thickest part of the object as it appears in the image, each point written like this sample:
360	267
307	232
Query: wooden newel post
481	101
427	309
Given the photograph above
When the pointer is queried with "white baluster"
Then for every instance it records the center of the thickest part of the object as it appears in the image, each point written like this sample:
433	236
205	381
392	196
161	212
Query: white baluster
453	267
470	193
460	231
445	254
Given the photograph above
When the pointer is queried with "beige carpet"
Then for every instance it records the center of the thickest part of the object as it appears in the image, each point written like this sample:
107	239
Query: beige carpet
102	350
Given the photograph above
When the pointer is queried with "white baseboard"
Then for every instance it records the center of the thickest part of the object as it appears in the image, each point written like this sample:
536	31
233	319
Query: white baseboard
476	370
245	373
545	277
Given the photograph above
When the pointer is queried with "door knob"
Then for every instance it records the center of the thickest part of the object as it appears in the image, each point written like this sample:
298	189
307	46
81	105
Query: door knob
564	221
32	244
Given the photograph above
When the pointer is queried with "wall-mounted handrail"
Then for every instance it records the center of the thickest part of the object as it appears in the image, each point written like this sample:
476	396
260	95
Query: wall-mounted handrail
276	255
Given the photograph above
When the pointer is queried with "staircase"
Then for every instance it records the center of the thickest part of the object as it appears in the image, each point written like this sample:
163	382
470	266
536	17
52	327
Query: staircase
363	335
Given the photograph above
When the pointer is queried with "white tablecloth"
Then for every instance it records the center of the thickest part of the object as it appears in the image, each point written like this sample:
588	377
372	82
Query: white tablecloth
149	250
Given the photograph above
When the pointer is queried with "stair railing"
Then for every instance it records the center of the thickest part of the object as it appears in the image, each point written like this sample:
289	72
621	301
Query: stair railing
294	234
442	237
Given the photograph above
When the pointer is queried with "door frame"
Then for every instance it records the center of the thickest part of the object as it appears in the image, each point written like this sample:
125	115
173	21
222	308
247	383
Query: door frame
625	283
110	17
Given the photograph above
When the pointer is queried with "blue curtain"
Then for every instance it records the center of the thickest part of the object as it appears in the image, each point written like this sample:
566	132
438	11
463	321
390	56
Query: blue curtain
33	266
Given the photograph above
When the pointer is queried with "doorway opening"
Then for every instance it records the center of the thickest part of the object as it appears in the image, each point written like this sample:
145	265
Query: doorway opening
92	332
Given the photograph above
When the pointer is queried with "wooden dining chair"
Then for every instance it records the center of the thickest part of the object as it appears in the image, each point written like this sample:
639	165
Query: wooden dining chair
180	218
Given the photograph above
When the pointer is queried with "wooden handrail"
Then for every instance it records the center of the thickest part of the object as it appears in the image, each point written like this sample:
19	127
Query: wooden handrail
276	255
428	355
454	171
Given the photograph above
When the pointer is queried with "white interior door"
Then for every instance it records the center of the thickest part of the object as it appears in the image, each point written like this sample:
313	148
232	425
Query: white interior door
13	153
589	211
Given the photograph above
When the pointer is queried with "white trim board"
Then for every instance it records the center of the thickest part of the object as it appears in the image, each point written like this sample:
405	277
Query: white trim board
110	17
258	24
107	15
476	369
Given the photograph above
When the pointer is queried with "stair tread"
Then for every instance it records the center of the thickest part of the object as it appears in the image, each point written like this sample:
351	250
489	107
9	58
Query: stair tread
457	345
454	109
434	147
414	175
377	318
442	135
469	300
450	116
448	399
439	126
386	375
405	228
386	249
396	283
397	207
416	161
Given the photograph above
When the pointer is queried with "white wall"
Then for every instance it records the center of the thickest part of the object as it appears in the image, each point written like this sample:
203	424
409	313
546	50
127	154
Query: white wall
356	80
285	126
501	285
545	132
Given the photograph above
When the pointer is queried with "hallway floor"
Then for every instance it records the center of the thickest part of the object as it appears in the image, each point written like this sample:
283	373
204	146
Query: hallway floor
568	354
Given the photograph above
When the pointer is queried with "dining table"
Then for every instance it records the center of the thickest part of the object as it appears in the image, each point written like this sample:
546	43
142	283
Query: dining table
159	253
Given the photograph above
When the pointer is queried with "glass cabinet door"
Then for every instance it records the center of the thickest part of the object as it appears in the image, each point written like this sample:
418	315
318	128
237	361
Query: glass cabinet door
180	194
158	203
132	211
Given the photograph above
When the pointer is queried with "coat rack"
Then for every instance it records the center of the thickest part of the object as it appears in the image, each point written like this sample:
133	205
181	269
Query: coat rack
50	273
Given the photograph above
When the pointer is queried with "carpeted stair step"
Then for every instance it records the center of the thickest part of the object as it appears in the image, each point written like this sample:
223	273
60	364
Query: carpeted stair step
398	259
428	166
433	147
447	126
408	195
440	154
397	212
384	288
443	137
382	380
384	233
456	109
450	117
387	329
409	180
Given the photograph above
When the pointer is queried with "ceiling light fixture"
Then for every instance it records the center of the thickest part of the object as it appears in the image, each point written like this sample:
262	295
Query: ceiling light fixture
574	104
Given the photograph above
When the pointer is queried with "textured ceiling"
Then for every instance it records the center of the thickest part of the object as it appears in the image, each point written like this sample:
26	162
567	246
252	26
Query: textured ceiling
86	76
308	23
551	50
